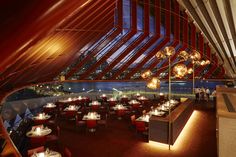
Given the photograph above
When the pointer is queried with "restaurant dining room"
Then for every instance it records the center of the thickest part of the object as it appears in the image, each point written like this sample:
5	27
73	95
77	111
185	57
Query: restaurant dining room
117	78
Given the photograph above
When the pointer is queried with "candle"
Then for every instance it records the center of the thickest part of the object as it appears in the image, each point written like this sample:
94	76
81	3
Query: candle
40	116
49	104
38	130
41	154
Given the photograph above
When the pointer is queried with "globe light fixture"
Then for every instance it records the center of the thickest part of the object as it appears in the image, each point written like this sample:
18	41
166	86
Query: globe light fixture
190	70
146	74
154	83
169	50
195	55
184	55
180	70
160	55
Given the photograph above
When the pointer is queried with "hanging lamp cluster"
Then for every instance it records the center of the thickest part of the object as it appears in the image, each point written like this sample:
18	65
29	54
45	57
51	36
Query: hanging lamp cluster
179	69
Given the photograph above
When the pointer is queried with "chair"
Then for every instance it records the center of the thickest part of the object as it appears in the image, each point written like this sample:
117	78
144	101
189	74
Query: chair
135	106
40	121
133	118
91	125
79	122
141	127
95	107
70	114
67	152
35	150
103	120
54	137
120	113
37	141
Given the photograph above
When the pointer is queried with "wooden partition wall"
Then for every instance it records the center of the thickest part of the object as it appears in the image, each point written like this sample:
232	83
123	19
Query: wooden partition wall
226	121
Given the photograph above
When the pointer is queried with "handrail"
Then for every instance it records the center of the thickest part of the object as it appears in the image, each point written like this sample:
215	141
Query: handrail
10	149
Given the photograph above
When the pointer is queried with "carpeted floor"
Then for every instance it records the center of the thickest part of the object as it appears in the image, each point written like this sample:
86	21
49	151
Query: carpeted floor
119	139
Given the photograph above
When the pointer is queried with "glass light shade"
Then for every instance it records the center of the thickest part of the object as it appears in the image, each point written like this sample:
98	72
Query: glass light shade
195	55
180	70
190	71
207	62
202	62
155	80
169	50
160	55
184	55
154	83
196	62
146	74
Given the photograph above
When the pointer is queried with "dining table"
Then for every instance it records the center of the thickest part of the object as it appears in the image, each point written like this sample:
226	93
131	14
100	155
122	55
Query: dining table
41	118
38	131
47	153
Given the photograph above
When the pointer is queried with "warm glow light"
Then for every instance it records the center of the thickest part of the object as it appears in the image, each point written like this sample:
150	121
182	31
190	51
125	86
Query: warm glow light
184	137
154	83
195	55
41	154
184	55
207	62
146	74
202	62
38	130
190	70
169	50
180	70
160	55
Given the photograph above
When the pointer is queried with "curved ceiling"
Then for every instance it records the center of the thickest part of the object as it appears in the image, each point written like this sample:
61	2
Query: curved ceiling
217	21
100	40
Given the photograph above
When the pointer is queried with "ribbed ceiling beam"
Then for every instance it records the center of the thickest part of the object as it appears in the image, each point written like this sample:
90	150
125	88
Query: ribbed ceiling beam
120	43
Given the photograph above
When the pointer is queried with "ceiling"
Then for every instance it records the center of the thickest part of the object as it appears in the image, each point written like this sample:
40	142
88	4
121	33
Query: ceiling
98	40
217	21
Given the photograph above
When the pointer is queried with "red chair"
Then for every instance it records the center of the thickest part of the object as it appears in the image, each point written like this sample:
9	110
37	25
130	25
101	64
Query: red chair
95	107
91	125
67	152
35	150
120	113
40	121
37	141
112	103
133	118
136	106
49	110
141	127
124	100
54	138
70	114
103	120
79	122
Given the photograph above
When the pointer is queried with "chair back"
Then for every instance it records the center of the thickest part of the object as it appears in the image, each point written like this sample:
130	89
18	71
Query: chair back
120	112
35	150
70	114
37	141
135	106
40	121
133	118
67	152
140	126
91	123
95	107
